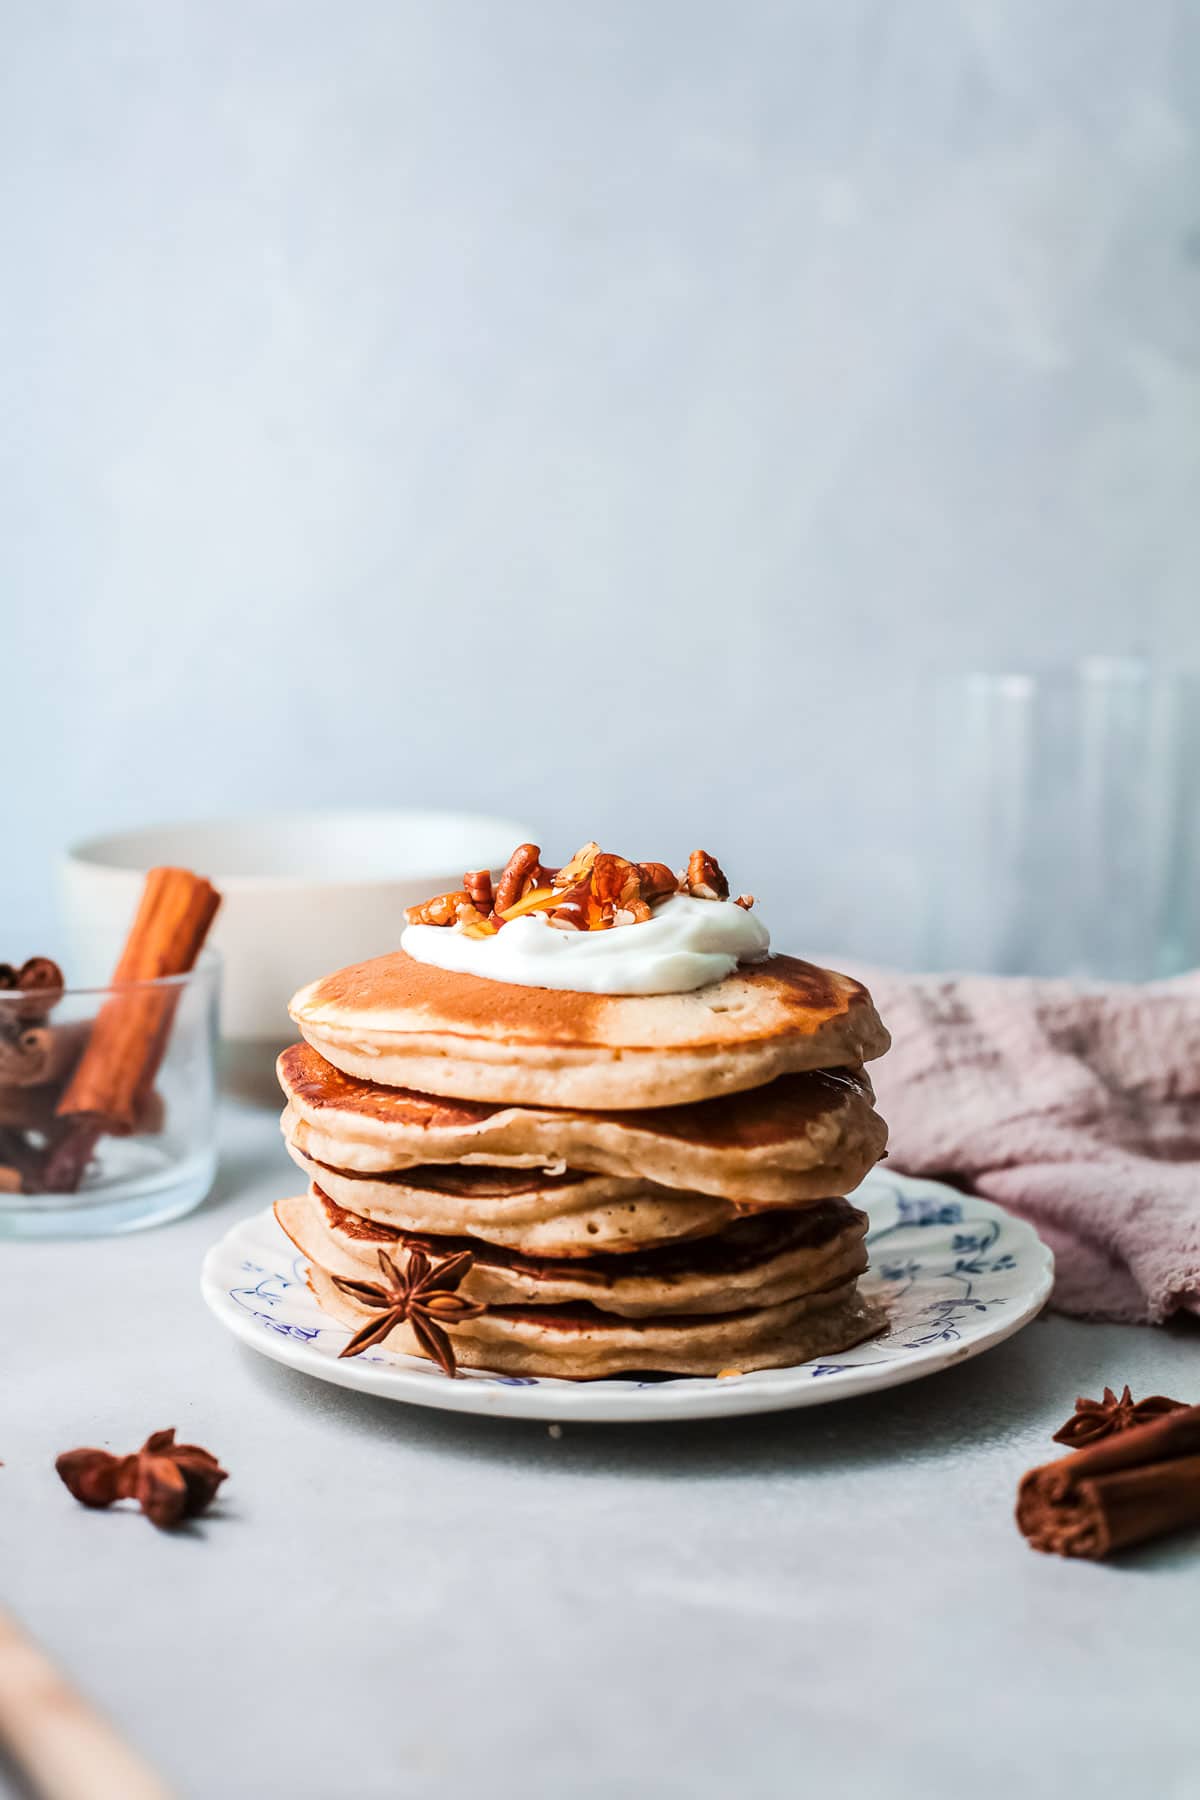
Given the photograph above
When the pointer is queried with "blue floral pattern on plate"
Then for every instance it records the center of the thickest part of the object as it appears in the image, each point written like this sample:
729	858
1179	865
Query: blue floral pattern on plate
955	1274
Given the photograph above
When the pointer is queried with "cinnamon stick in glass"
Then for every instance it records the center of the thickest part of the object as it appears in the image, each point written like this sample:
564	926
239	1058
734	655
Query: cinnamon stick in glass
37	985
1122	1491
112	1081
40	1056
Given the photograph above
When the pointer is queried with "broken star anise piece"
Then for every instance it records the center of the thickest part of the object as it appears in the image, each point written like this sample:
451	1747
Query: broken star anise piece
1096	1419
421	1293
170	1482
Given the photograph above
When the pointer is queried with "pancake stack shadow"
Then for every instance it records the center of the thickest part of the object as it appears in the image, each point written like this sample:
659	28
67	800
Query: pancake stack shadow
542	1183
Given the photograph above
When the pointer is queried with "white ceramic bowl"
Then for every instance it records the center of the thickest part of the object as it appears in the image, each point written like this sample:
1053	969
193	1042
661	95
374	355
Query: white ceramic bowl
302	893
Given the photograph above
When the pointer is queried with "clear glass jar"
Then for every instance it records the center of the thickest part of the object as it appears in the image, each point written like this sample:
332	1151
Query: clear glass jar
1061	833
160	1168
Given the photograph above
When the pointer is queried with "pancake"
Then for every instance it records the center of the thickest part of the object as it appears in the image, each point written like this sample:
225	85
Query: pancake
407	1024
567	1215
803	1137
759	1261
580	1343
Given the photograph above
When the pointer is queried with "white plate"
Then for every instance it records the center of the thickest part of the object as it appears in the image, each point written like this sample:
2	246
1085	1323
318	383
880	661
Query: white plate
955	1273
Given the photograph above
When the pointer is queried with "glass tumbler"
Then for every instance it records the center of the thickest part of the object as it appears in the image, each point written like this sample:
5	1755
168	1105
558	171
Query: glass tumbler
63	1174
1062	823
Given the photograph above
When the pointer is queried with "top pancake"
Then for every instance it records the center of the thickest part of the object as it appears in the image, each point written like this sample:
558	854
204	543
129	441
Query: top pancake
406	1024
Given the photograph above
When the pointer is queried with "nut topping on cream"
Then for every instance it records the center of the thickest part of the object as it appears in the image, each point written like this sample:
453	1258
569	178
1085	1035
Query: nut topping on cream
593	892
625	927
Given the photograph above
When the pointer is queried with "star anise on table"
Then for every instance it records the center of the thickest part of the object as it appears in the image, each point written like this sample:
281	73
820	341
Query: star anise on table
1096	1419
170	1482
423	1293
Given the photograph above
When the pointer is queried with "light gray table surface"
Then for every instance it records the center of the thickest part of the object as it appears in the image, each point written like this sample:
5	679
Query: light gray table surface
394	1602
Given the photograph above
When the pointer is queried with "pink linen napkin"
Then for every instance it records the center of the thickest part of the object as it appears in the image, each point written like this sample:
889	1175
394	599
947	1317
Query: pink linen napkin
1076	1107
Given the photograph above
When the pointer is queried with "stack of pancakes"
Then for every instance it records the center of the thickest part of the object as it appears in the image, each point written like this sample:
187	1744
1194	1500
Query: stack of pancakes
642	1183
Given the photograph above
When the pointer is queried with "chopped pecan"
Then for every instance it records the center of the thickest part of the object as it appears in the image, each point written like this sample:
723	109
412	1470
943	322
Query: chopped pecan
705	877
452	909
534	899
474	923
577	908
745	901
658	882
594	890
615	882
520	874
579	867
443	909
478	884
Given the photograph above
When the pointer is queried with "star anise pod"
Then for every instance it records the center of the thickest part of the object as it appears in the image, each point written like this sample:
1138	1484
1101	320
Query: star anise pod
1096	1419
170	1482
423	1293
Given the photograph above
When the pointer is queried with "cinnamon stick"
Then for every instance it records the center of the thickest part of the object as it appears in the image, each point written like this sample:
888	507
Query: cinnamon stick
1124	1490
25	1160
38	985
40	1055
112	1082
30	1108
64	1749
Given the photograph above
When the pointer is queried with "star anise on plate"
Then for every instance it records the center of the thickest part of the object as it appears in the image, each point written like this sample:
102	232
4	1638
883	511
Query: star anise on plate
421	1293
1096	1419
170	1482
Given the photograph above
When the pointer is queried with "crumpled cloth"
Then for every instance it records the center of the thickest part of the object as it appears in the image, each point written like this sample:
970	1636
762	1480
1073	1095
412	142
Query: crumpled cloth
1078	1108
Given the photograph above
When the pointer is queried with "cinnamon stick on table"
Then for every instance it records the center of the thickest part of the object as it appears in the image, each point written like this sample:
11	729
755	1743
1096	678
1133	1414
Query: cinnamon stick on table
1121	1491
64	1749
115	1074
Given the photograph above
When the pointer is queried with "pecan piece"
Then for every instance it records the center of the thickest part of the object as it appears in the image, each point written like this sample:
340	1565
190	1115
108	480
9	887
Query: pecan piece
705	877
478	884
657	881
473	923
579	867
616	882
520	872
443	909
577	909
534	899
745	901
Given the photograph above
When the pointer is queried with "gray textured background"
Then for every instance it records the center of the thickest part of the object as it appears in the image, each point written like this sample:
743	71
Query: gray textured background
605	413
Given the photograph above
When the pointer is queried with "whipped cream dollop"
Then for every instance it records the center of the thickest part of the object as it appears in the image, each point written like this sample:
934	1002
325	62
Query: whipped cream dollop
687	944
